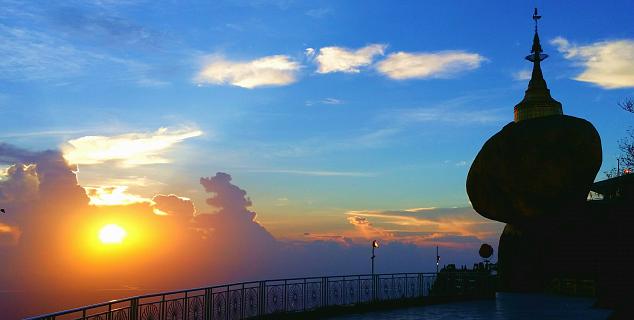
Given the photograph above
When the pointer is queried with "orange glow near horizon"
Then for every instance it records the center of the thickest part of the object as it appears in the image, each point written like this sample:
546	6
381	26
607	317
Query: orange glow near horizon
112	234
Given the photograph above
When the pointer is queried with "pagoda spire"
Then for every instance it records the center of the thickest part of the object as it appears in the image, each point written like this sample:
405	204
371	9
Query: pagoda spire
537	101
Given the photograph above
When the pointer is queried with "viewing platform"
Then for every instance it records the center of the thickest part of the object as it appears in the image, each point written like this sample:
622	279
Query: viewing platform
293	298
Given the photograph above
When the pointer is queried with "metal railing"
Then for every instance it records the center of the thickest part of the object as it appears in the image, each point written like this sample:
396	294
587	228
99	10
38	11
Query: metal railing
258	298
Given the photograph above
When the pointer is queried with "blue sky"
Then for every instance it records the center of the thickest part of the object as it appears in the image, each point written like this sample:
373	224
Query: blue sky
336	128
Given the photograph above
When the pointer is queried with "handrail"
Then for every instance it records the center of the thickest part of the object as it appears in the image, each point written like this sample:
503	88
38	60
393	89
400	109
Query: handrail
257	298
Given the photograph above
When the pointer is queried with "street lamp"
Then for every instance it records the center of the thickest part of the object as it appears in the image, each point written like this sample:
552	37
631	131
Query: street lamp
437	259
375	244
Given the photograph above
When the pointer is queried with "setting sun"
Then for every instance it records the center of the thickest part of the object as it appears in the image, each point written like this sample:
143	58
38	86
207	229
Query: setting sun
112	234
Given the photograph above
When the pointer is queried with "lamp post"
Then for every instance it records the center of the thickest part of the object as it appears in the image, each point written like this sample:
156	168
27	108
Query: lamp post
375	244
437	259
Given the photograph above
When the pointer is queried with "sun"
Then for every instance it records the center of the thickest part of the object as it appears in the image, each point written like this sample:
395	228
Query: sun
112	234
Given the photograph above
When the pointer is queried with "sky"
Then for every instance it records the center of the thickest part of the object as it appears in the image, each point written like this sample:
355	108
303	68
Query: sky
304	128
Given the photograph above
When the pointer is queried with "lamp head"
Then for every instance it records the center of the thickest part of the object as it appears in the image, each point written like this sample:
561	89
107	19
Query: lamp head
375	244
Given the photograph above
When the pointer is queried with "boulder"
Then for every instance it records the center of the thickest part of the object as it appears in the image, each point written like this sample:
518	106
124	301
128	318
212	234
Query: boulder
535	169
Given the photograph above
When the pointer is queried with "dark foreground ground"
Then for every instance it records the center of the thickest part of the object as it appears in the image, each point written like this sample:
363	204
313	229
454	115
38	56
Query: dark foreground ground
505	306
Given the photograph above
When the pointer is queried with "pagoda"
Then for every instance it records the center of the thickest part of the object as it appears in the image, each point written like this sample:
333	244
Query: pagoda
537	101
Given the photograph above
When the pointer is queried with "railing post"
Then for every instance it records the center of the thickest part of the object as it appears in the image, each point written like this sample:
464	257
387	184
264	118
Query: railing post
285	297
324	291
358	289
243	303
304	295
420	292
208	304
162	314
262	298
134	309
227	304
373	288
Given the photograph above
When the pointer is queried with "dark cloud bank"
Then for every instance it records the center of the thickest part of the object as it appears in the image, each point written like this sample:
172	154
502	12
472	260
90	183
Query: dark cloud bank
48	264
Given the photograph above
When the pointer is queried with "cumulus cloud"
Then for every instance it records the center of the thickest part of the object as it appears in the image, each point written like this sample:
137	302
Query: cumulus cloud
172	204
404	65
277	70
338	59
608	64
20	183
127	150
37	177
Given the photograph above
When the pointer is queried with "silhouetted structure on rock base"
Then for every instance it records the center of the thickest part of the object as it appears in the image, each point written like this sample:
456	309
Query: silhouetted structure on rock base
535	175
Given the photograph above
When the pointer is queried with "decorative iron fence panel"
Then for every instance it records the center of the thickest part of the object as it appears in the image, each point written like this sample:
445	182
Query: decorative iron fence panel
253	299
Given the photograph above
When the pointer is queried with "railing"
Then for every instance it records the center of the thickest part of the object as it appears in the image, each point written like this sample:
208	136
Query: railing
259	298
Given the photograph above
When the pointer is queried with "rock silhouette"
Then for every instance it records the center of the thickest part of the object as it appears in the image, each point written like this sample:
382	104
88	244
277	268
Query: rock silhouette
535	175
535	169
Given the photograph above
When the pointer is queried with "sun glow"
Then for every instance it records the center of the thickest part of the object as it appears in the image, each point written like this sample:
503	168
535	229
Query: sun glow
112	234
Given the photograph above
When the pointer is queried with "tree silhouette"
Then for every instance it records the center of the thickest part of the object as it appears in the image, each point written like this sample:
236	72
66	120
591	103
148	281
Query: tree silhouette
626	144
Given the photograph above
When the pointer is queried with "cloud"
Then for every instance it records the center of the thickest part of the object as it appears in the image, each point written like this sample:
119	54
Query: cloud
37	177
461	163
127	150
331	101
328	101
317	173
338	59
358	221
113	196
37	56
309	53
455	227
44	56
608	64
450	115
20	183
318	13
522	75
173	205
9	235
233	226
403	65
278	70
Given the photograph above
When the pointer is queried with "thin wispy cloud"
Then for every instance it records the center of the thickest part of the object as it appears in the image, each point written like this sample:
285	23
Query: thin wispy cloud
277	70
455	226
339	59
451	115
321	173
33	55
608	64
318	13
522	75
44	56
126	150
326	101
404	65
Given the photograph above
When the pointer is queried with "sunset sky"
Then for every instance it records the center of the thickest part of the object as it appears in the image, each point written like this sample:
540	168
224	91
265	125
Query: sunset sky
340	121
